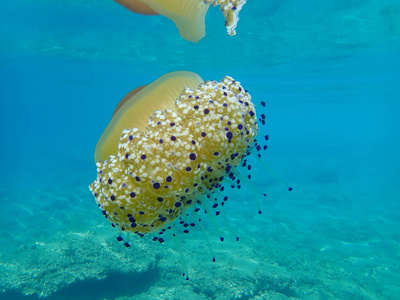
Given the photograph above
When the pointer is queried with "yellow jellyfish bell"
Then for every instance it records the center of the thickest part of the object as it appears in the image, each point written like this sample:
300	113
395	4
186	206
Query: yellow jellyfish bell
168	147
137	6
188	15
139	105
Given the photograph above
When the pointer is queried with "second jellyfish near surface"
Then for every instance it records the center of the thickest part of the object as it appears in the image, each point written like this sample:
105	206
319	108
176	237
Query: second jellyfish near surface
188	15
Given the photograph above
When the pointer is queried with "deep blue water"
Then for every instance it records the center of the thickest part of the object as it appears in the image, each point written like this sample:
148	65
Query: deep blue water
329	73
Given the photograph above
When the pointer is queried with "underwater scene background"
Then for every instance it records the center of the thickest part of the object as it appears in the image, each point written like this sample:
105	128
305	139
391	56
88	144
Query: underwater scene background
329	73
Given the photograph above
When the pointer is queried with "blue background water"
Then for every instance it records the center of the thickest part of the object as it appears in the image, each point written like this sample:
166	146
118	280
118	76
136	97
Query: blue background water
329	73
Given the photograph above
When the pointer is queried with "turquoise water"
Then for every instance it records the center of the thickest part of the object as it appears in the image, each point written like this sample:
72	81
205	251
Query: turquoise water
329	74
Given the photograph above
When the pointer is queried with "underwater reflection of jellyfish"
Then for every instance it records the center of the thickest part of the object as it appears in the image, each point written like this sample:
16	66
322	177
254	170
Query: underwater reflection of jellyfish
188	15
168	148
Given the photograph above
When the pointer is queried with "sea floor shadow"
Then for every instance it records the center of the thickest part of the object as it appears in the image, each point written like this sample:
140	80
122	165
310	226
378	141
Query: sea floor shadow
115	285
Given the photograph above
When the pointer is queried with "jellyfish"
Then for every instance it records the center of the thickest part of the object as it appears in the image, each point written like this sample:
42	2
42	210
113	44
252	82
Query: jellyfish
188	15
169	150
168	146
